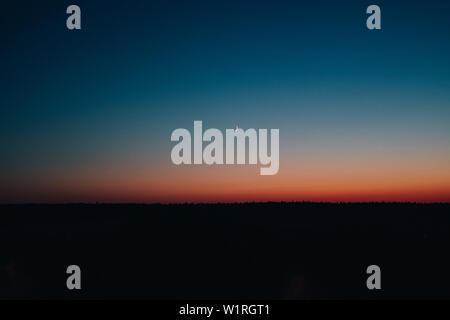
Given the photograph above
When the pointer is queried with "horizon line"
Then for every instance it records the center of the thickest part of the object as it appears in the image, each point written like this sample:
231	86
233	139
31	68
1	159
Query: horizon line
226	203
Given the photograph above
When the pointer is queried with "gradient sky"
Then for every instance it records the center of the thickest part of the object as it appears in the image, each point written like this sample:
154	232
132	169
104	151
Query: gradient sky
87	115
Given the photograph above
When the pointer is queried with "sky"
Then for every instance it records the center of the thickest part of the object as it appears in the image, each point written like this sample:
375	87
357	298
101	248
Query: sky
87	115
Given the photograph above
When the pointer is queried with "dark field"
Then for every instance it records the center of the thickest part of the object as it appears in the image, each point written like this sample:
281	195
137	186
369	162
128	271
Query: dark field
225	251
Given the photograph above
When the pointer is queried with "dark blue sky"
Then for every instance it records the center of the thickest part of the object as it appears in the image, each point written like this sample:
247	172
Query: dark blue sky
110	94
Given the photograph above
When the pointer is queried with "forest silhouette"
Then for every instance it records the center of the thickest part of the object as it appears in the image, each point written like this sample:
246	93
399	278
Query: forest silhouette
283	250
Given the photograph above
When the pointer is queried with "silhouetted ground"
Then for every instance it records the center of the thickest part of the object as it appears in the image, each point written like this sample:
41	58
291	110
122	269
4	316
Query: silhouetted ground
232	251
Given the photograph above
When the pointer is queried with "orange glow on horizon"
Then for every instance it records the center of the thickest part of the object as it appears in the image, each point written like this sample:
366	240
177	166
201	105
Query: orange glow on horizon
312	181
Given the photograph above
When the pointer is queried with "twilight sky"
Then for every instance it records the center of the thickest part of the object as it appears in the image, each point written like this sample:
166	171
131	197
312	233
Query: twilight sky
87	115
